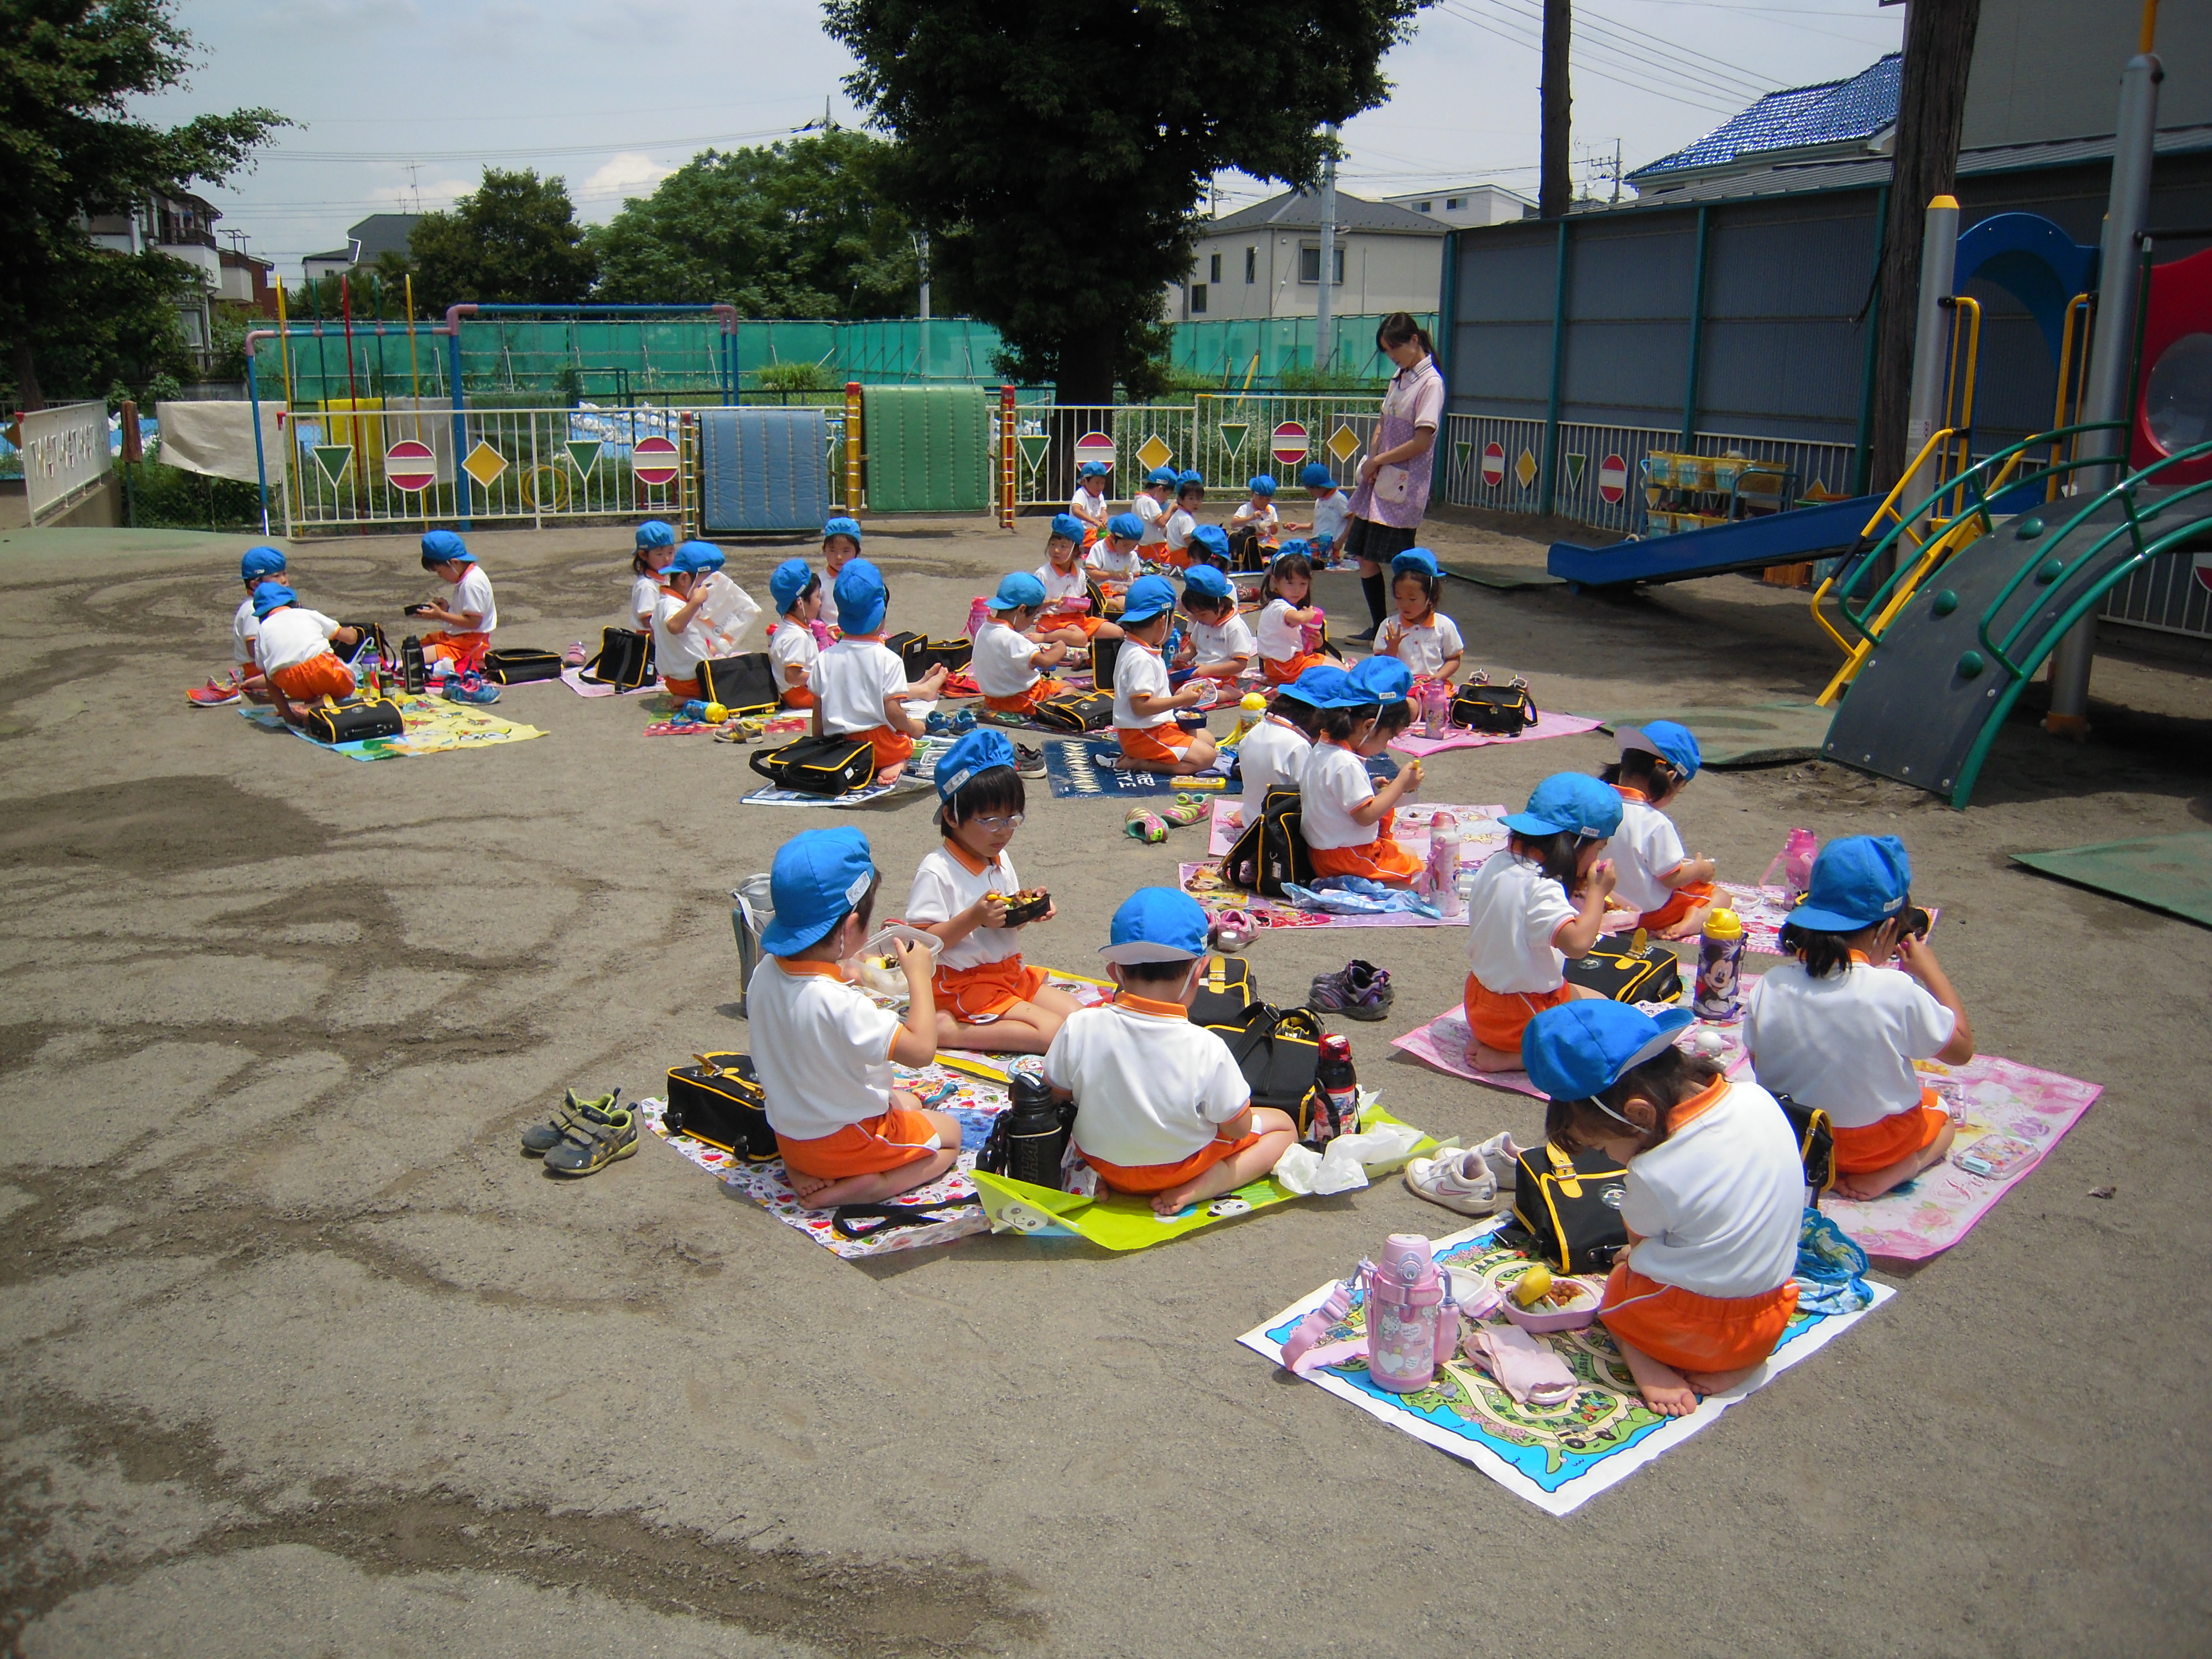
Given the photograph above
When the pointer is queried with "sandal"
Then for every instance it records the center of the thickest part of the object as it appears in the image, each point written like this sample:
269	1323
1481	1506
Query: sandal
675	728
540	1138
594	1140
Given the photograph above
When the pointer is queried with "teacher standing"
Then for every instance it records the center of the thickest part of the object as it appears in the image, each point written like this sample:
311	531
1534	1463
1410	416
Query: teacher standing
1393	480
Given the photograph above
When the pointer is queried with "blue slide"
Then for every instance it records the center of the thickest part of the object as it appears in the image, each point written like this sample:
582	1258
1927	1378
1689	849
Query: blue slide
1805	532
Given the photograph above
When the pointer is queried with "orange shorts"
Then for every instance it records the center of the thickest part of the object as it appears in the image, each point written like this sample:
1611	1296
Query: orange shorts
1145	1178
1380	860
1281	670
974	995
798	696
681	690
1161	553
1046	686
892	747
1685	900
1499	1017
1694	1333
1168	741
462	650
323	675
896	1138
1890	1140
1079	619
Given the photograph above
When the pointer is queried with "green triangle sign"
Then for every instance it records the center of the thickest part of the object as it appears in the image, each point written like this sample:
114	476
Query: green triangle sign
332	460
1033	446
1462	448
1232	435
1575	464
585	453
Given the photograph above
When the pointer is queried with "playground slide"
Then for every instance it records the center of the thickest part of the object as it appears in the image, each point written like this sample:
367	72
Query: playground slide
1807	533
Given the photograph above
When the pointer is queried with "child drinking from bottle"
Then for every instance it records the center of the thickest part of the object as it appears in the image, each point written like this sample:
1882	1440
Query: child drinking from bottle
1665	889
1420	636
823	1052
1008	665
1069	616
1341	812
655	546
1145	707
1285	616
1220	645
679	642
1534	903
1161	1109
793	650
1837	1028
860	685
986	997
1713	1200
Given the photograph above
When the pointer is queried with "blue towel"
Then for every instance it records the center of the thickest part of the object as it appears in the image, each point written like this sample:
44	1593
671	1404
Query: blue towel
1831	1269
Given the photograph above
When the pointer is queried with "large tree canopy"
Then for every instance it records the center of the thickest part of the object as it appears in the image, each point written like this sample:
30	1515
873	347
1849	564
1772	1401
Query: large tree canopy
787	230
512	241
68	148
1057	153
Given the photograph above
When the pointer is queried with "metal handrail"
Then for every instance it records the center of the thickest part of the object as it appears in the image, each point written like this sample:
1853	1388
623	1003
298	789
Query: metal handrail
1888	505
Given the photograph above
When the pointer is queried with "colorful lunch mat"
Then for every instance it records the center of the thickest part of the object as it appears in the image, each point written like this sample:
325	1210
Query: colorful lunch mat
1443	1043
1480	833
1077	766
434	726
1546	725
1557	1457
918	779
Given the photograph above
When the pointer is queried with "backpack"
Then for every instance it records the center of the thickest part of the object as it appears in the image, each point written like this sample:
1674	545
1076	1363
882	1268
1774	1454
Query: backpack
1273	848
1652	974
1504	710
1816	1142
1075	711
743	685
1278	1051
355	718
721	1102
625	660
1567	1211
1224	992
826	765
521	665
372	634
1104	653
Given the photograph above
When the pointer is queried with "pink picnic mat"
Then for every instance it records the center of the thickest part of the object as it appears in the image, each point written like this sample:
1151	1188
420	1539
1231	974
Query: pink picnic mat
1443	1043
1546	725
1479	837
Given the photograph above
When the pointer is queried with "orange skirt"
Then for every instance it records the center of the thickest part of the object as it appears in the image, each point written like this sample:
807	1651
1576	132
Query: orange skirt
681	690
1380	860
974	996
898	1137
1499	1017
798	696
1891	1139
462	650
322	676
1694	1333
1079	619
1044	686
1168	741
1281	670
1146	1178
1676	908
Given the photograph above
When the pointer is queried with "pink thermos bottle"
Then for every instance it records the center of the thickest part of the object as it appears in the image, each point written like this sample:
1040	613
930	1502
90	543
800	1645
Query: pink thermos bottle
1410	1331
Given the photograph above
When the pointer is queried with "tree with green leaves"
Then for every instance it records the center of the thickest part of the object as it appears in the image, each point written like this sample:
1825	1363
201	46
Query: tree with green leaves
512	241
1057	154
68	150
798	229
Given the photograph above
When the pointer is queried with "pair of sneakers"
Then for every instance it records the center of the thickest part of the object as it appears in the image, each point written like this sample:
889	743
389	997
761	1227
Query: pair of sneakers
940	723
1467	1179
583	1136
472	687
1359	990
215	694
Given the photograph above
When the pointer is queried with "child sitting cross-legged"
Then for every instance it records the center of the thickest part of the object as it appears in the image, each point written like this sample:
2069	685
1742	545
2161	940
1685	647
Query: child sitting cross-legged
1220	645
793	649
1008	664
467	614
1286	617
1421	637
986	997
1113	555
1669	891
1713	1200
823	1051
679	642
1341	812
1068	617
1385	682
1837	1028
1145	707
292	646
1161	1109
860	684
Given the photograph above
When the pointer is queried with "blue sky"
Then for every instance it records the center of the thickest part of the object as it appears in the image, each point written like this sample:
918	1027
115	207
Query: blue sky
612	96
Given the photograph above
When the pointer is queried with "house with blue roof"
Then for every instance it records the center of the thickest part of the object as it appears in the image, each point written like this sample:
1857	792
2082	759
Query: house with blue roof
1833	120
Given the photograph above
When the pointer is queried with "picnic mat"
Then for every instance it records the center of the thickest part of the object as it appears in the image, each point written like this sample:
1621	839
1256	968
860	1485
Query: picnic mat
972	1101
918	779
434	726
1546	725
992	1063
1479	837
1557	1457
1077	766
2172	873
1761	734
1443	1043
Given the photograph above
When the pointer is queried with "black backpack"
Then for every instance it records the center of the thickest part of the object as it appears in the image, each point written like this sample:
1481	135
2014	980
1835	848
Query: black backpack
825	765
521	665
353	720
1278	1050
1816	1142
1273	848
1652	974
744	685
721	1102
1566	1212
1075	711
1503	710
1224	992
625	660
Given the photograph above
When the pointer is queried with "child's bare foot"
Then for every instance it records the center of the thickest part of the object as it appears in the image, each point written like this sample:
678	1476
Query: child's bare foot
1484	1058
1719	1382
1865	1184
891	774
803	1187
1665	1389
1690	927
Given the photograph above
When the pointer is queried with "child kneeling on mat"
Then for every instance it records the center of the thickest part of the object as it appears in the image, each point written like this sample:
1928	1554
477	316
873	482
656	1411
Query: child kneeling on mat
1067	618
1837	1028
1144	708
793	649
1713	1200
1341	812
293	647
1161	1109
823	1052
468	614
1008	664
1669	891
1533	903
986	997
862	685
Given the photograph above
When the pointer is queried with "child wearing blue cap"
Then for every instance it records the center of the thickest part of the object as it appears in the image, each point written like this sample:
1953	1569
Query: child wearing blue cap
1113	555
257	566
655	546
467	612
1385	682
823	1052
1837	1028
1253	526
1286	622
1669	891
1182	522
1713	1200
1008	664
1274	753
1069	614
986	997
1145	704
1089	503
840	544
1152	506
1420	636
860	685
1537	901
1220	645
1161	1109
793	650
1332	508
292	647
679	634
1341	812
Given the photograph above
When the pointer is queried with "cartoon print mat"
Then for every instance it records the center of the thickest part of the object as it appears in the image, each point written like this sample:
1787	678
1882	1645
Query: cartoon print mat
434	726
973	1101
991	1063
2009	1108
1480	834
1443	1043
916	780
1546	725
1557	1457
1077	766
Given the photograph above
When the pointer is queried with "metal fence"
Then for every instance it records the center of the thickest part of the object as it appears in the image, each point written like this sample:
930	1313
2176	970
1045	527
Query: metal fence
1228	438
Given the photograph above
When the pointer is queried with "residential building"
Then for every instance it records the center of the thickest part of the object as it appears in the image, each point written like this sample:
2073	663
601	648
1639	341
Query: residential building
182	226
369	238
1265	260
1468	205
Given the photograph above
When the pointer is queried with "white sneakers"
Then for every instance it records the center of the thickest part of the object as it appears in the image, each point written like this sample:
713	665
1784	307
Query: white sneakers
1465	1179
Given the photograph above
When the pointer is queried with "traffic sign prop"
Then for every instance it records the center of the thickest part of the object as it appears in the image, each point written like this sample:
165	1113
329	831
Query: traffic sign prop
332	460
1094	447
1290	442
583	452
409	465
1493	465
484	465
653	461
1612	478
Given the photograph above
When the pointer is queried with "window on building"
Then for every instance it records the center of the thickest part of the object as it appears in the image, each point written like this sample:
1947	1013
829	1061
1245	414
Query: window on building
1310	264
1197	299
1213	269
1453	203
1251	265
1423	207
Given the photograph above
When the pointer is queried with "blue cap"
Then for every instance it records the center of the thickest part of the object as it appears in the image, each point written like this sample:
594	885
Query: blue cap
1203	581
1568	801
818	877
1157	924
861	598
979	751
1416	558
1161	475
1575	1049
1856	882
1327	686
1067	524
1190	478
1094	470
270	595
1672	743
787	584
1128	526
1381	679
1262	484
1211	542
653	533
842	526
443	546
1016	589
1149	597
259	561
1314	475
704	556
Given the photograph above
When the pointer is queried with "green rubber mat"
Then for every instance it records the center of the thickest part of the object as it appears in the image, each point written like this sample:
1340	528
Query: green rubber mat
2172	873
1502	577
1759	734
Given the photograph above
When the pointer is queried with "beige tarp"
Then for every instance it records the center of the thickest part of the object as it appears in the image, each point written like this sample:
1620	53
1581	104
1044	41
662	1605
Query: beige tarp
217	439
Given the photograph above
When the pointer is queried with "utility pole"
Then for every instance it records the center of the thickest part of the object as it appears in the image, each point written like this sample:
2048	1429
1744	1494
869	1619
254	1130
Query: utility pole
1324	333
1616	173
1557	187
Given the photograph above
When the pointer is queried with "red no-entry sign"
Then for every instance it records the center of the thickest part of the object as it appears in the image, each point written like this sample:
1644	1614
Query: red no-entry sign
653	461
1493	465
1290	442
1612	478
409	465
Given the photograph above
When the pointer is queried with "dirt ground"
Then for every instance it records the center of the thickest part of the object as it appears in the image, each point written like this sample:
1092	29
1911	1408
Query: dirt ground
301	1357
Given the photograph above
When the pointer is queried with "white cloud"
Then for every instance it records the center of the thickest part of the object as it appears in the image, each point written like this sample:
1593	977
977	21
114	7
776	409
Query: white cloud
631	173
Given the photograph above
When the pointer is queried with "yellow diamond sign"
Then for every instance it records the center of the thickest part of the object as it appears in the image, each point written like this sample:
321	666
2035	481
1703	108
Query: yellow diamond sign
1525	469
1152	452
1344	444
484	465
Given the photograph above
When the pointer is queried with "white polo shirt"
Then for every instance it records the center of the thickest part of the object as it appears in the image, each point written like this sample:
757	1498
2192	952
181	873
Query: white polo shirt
1061	586
1273	754
1150	1087
945	886
1335	781
1846	1043
1002	664
1646	847
1424	650
1718	1204
677	655
243	628
851	681
471	596
292	636
1330	515
644	594
821	1049
1139	671
1154	512
1181	527
1121	567
1219	641
1513	909
792	645
1262	518
1091	509
1280	639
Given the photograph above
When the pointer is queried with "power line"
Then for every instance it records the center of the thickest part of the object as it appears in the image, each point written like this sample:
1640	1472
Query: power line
1650	50
1502	31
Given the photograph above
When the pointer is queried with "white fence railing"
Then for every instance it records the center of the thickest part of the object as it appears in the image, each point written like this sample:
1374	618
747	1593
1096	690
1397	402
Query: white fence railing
1227	438
65	456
